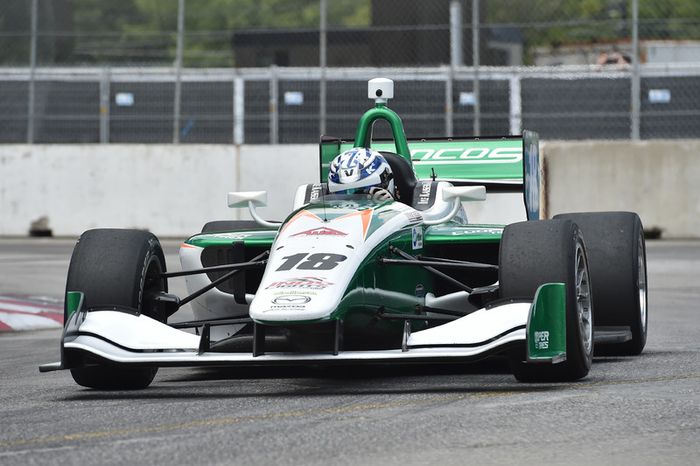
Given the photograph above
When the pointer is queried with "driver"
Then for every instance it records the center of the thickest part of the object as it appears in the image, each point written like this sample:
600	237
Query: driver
361	170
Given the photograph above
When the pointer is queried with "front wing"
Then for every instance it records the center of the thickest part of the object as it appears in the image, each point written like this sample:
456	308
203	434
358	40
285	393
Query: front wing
126	338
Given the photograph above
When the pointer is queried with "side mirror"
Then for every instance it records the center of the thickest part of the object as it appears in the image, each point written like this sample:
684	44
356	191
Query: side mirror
457	194
252	200
240	199
465	193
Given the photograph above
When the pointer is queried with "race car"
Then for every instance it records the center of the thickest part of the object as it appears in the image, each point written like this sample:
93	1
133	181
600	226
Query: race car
349	279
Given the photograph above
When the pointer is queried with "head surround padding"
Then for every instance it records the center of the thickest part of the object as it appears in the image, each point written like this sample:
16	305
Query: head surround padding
404	177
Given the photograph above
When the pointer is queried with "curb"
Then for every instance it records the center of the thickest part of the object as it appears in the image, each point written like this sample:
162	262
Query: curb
22	313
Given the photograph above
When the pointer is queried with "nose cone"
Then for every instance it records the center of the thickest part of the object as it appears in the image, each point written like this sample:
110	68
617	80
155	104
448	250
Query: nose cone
315	257
311	265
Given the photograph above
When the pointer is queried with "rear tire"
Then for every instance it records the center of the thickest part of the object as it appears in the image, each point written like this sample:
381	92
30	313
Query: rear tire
550	251
617	261
117	268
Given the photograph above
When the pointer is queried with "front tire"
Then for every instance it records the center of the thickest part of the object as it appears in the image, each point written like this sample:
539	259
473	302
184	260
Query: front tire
550	251
117	268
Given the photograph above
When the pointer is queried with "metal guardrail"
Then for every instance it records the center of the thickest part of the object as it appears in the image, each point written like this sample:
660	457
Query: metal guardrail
284	105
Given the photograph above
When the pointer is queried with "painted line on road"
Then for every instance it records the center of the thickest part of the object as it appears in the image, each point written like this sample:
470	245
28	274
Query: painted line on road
114	433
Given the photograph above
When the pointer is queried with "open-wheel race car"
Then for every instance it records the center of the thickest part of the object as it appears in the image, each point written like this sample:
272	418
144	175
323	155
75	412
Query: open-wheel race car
348	278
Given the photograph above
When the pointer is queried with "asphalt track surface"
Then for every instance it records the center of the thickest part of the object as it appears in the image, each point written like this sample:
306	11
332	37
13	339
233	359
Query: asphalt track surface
629	410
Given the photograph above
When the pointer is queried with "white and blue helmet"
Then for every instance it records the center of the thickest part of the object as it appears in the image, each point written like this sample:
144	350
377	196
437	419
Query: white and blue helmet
359	169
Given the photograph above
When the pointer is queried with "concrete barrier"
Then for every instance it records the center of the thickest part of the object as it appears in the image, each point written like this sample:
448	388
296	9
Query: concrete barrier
174	190
170	190
660	180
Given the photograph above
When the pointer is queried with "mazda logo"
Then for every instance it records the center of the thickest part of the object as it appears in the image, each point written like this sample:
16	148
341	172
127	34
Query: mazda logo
291	299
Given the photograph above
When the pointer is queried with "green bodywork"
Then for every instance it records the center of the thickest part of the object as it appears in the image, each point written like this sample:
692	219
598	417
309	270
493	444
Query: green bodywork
492	160
401	289
546	326
363	136
257	238
433	235
74	301
487	159
453	233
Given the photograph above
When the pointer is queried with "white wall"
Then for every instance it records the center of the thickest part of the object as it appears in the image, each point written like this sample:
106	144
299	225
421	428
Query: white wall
170	190
660	180
174	190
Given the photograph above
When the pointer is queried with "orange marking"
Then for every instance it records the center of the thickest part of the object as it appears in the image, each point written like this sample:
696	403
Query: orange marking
301	213
365	216
185	245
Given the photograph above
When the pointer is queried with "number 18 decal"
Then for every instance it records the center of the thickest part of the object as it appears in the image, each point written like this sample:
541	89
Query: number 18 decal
318	261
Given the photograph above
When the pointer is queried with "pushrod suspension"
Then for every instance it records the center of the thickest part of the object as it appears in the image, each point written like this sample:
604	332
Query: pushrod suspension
222	279
449	265
218	268
435	272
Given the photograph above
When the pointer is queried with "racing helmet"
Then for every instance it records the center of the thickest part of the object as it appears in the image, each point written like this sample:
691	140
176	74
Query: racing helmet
358	170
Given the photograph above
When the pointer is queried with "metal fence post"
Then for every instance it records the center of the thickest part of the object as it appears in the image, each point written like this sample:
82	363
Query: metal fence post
516	105
31	97
456	57
456	60
274	115
323	63
475	63
449	107
636	84
238	110
104	105
178	70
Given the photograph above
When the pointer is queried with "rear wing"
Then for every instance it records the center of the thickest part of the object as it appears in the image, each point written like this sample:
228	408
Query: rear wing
502	164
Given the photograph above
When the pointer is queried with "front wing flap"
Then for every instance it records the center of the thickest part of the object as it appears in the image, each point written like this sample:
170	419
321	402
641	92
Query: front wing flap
132	339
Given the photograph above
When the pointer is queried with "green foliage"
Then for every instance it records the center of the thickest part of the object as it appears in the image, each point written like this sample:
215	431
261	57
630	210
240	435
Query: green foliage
561	22
14	32
144	31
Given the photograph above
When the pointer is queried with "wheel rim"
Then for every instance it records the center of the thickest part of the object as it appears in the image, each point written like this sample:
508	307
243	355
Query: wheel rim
153	284
642	282
583	300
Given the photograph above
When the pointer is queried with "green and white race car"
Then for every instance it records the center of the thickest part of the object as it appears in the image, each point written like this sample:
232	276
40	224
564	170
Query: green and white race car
346	279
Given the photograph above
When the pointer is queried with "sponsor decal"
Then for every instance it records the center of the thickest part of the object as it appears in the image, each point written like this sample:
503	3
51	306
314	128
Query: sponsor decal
463	155
420	291
424	196
230	235
477	231
417	237
304	283
542	340
316	190
289	302
291	299
321	231
309	293
414	217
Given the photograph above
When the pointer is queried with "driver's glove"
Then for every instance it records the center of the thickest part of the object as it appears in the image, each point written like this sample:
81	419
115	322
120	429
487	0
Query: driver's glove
380	194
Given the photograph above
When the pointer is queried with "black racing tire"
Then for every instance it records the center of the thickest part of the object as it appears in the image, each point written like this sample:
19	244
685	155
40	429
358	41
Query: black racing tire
115	267
550	251
217	226
617	262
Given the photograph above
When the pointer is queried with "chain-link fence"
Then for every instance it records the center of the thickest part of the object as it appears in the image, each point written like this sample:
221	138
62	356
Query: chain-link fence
268	71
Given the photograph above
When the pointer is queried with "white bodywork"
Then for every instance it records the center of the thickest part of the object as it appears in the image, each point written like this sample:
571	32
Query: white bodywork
330	251
125	338
317	292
